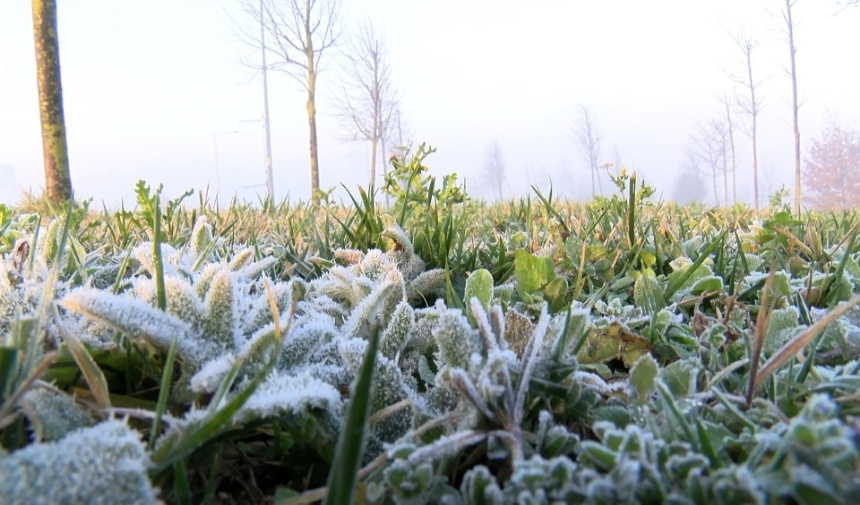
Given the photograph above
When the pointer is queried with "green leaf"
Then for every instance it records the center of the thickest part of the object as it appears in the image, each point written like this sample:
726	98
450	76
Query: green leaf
602	457
480	285
532	273
8	367
343	477
648	295
556	294
643	377
707	285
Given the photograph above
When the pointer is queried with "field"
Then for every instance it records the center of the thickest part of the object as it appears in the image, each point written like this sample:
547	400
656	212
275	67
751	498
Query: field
432	349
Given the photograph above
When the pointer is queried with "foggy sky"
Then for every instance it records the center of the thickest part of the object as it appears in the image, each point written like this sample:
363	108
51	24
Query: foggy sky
147	85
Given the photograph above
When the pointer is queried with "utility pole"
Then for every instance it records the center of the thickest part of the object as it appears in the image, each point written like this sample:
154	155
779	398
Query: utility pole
270	185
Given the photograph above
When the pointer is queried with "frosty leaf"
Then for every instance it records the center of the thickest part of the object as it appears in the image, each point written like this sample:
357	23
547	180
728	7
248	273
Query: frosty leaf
348	256
240	259
260	314
201	236
398	332
388	388
648	294
183	302
409	484
564	339
106	463
367	315
210	376
139	320
53	414
282	394
643	378
422	286
681	376
375	265
782	325
456	338
255	269
304	338
395	233
143	254
204	278
221	324
518	330
479	487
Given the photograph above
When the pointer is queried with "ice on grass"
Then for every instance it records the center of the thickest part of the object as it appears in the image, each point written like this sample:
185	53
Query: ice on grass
139	320
283	394
105	464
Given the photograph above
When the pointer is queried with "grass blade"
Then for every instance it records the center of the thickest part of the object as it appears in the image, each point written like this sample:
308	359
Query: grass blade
343	477
89	368
795	345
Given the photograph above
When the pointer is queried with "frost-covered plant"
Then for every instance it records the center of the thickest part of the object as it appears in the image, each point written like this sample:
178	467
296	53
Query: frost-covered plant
212	309
106	463
53	414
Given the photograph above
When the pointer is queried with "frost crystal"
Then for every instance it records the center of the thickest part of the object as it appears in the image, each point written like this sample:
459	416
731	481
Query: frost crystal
104	464
456	338
139	320
283	394
53	414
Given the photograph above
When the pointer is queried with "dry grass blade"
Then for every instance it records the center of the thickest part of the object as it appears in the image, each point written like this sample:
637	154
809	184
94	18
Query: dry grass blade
88	367
795	345
761	324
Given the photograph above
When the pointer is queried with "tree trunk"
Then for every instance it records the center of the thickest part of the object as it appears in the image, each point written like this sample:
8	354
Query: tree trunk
311	106
58	182
714	178
795	107
731	128
593	186
312	123
754	132
373	144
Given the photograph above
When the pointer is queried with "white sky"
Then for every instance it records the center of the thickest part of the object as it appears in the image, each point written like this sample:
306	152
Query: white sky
147	85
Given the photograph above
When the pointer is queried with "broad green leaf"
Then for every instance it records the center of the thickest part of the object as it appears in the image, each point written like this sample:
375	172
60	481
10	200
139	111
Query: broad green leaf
532	273
614	342
556	294
707	284
480	285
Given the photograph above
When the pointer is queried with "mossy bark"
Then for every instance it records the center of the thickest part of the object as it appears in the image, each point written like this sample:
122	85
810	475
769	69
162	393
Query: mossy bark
58	182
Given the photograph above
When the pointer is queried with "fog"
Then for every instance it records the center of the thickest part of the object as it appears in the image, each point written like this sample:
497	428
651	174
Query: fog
151	90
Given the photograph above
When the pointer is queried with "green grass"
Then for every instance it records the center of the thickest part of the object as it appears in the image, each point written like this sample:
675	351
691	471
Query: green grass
739	394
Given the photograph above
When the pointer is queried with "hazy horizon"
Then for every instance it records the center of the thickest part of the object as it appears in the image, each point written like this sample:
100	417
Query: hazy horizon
148	86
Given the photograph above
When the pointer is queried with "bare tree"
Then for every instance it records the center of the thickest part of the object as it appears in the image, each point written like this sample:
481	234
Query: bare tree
589	141
494	168
729	129
296	33
719	130
368	98
789	25
708	149
750	105
58	182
